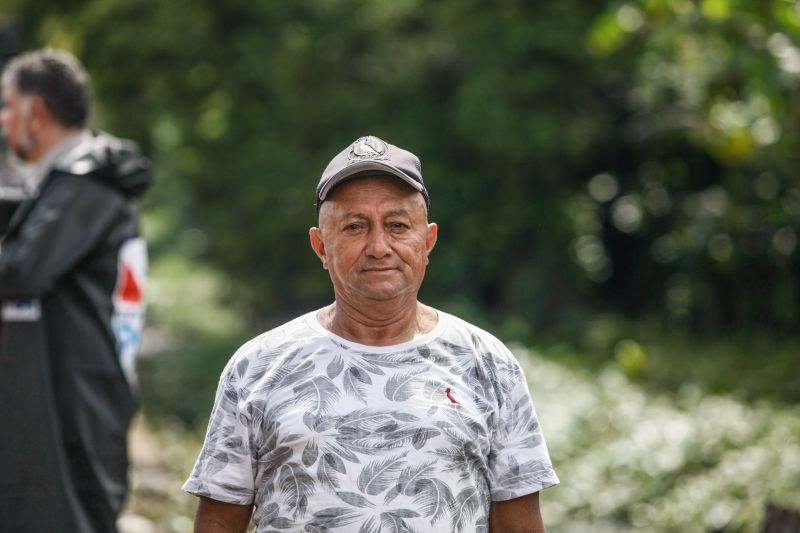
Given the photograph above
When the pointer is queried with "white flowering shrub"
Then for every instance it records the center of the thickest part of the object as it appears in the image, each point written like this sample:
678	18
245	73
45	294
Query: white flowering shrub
633	462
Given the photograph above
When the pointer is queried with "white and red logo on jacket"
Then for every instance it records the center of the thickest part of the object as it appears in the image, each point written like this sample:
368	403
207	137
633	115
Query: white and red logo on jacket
129	303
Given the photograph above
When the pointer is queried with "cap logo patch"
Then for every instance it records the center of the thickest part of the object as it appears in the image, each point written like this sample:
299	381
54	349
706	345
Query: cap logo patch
368	148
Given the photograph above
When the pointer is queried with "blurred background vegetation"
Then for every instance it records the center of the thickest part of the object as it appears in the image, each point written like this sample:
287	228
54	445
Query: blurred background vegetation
616	185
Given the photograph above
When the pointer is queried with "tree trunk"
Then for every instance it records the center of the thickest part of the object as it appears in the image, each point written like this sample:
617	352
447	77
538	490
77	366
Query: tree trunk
781	520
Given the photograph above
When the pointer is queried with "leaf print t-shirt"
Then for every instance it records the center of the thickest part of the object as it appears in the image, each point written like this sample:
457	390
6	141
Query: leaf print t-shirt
324	434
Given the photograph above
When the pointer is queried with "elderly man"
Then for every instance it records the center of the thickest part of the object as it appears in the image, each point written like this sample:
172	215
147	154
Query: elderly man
71	273
377	412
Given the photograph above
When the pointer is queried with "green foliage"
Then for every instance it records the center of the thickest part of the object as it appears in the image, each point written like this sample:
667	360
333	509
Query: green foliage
636	157
629	461
193	329
598	170
703	218
750	366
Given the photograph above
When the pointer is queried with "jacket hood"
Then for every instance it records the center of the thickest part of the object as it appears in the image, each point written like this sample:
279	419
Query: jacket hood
116	162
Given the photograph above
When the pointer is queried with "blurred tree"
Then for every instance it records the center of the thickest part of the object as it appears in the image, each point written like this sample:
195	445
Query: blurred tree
698	204
638	157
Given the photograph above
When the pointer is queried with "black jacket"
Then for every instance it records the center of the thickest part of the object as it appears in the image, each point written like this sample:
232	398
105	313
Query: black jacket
71	274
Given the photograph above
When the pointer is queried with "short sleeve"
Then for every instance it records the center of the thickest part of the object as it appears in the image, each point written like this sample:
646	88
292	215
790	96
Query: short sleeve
519	462
224	468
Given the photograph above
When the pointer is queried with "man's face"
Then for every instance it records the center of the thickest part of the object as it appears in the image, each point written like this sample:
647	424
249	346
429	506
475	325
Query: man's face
15	118
374	239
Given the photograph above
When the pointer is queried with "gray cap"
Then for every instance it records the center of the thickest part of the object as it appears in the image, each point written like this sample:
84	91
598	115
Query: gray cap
370	156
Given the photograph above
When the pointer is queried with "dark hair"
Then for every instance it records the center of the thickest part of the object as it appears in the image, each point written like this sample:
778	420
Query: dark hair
56	77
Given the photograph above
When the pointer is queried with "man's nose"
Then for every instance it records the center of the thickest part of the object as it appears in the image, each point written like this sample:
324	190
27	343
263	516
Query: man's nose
378	245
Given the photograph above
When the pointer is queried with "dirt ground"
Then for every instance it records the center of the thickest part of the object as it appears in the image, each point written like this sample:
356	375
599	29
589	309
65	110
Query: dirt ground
160	462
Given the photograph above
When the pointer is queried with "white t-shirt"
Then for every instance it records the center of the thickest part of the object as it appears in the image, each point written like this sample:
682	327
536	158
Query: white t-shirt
325	434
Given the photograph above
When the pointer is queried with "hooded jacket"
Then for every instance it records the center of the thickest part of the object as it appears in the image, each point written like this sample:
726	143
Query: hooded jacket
72	269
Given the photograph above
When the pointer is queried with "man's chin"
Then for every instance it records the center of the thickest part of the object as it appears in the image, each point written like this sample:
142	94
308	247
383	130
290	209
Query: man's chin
384	294
18	155
18	160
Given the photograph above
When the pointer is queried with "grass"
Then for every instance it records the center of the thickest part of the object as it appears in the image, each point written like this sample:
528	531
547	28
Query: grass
749	367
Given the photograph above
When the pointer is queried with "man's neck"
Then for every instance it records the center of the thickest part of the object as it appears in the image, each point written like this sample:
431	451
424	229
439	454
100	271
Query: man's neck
42	167
48	139
382	325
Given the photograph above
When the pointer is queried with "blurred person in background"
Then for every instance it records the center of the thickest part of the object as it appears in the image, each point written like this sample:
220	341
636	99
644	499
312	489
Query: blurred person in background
12	190
377	412
72	267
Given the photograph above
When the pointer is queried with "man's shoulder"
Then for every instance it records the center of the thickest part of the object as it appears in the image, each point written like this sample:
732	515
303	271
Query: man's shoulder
456	326
61	185
104	161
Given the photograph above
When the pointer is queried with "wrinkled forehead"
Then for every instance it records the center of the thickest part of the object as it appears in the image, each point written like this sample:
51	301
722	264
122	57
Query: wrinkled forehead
364	192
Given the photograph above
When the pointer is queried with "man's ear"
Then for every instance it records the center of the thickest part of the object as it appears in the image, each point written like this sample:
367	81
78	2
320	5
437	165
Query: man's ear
40	113
430	239
318	245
